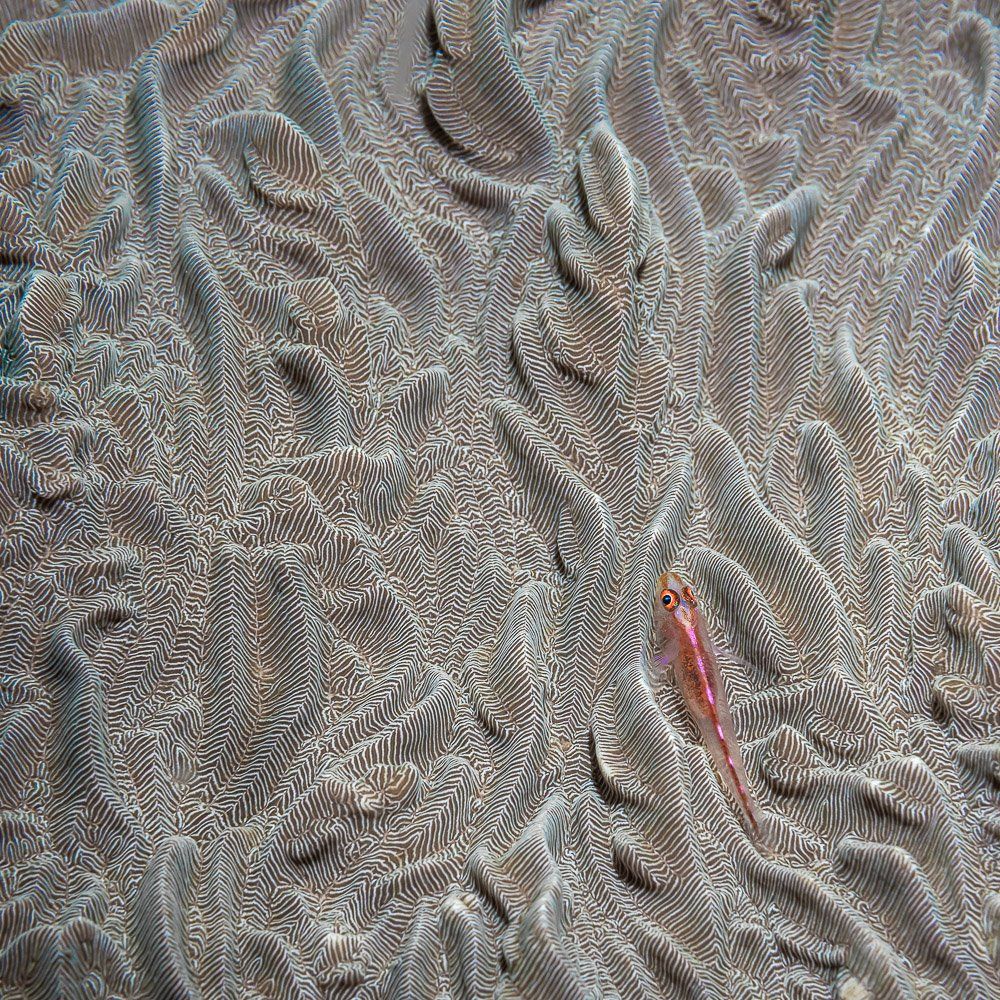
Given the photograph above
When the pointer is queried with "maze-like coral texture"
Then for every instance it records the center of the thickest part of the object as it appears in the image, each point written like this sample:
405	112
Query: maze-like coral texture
364	362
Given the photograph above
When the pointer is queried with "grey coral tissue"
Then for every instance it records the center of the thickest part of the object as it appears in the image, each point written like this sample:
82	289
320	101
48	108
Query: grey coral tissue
364	364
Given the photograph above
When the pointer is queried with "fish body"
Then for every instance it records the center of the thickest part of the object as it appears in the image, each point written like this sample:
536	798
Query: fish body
681	643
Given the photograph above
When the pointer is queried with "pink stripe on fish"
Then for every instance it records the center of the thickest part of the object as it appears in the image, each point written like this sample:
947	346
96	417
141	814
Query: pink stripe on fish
678	630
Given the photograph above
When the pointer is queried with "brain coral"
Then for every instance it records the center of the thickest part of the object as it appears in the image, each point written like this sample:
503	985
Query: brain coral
364	363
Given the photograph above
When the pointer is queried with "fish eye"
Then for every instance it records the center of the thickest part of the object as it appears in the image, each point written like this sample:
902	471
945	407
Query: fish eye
669	599
689	597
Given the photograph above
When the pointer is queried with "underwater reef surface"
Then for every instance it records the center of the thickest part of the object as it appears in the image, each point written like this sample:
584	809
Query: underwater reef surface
363	366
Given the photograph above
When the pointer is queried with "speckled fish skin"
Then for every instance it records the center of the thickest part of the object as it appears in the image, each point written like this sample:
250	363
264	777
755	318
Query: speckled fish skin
681	642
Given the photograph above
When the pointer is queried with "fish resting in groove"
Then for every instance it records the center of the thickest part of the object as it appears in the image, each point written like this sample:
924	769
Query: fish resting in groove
681	641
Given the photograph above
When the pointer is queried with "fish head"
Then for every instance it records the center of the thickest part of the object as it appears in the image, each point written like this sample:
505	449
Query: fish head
674	603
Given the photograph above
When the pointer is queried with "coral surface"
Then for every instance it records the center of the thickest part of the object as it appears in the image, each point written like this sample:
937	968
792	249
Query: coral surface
364	362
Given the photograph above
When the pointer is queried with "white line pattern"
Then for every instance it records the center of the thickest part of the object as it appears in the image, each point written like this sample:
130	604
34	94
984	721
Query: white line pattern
364	363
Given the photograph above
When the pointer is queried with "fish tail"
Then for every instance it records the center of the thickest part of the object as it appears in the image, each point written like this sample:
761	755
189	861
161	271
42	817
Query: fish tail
738	786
